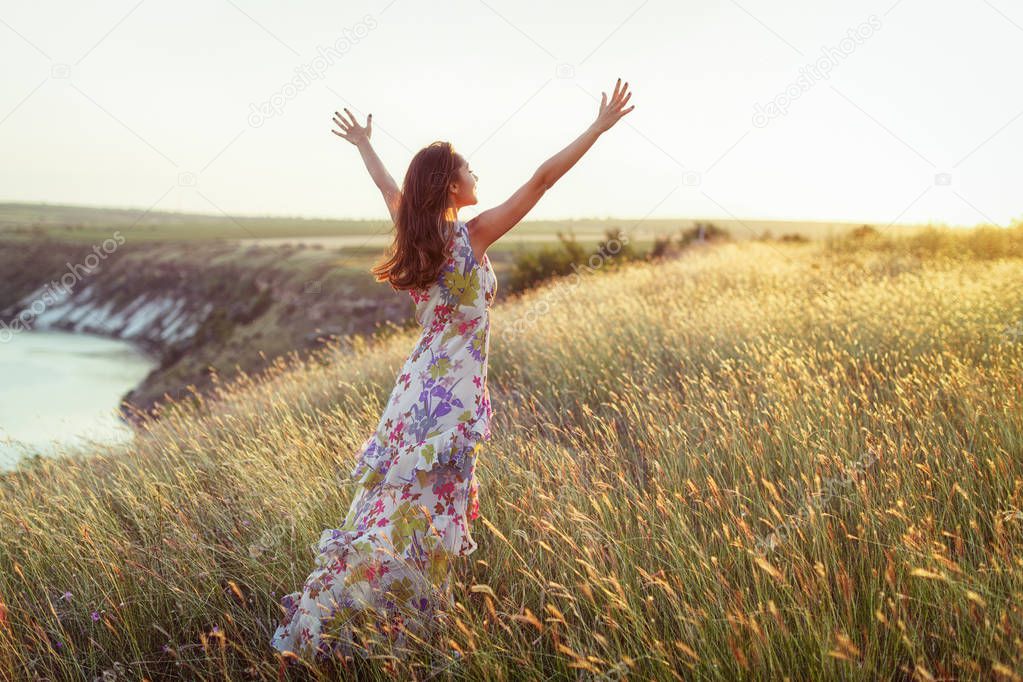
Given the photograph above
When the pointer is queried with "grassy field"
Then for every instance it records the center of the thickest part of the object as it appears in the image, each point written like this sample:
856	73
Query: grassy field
756	461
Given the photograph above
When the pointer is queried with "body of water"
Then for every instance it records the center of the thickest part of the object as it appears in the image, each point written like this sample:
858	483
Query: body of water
60	390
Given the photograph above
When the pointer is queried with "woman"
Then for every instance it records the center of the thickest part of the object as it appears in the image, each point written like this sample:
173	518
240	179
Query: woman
383	577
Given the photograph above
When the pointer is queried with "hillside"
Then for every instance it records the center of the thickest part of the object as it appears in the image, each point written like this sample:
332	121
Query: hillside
195	306
756	460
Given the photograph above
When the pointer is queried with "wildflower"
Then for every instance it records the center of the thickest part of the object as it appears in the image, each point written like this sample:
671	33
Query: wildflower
67	596
95	616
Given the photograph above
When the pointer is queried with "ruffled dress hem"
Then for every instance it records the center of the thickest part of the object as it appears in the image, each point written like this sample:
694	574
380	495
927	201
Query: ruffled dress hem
394	466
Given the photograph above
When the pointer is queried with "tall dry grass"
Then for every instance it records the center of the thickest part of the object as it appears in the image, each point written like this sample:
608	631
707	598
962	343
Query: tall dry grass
757	461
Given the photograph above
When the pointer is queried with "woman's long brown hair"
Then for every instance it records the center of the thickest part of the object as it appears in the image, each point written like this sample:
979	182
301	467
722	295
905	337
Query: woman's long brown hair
419	250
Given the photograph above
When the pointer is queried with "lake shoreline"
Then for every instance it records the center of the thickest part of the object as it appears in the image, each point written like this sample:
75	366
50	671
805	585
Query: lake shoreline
65	393
193	307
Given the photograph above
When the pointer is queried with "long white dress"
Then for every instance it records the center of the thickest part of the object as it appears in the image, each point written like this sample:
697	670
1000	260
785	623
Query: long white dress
385	572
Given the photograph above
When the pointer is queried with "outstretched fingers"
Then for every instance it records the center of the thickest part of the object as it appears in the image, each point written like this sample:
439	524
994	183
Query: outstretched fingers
623	95
612	110
343	128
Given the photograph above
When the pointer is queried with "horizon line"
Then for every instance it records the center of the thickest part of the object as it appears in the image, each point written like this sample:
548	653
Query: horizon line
271	216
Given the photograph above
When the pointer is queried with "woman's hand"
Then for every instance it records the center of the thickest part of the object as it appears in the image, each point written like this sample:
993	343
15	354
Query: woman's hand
359	136
352	131
611	111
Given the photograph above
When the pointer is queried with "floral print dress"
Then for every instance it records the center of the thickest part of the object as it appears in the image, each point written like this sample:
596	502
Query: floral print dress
385	572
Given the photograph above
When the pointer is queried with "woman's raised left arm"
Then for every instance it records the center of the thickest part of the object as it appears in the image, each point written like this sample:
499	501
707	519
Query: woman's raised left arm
359	136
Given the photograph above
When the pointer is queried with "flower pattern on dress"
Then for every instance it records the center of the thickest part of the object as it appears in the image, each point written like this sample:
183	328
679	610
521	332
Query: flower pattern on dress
385	572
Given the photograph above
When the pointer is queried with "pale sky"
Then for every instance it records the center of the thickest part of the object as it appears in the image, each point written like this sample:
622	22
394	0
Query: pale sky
150	104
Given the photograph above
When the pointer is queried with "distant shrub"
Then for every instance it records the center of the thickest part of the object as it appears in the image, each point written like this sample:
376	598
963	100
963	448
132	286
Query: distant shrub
788	237
864	232
671	246
702	232
537	265
616	247
793	237
664	247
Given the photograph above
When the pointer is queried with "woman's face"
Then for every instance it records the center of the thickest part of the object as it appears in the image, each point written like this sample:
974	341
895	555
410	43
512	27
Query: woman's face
463	188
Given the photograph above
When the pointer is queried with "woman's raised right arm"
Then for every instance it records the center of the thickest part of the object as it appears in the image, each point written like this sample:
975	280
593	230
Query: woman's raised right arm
490	225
